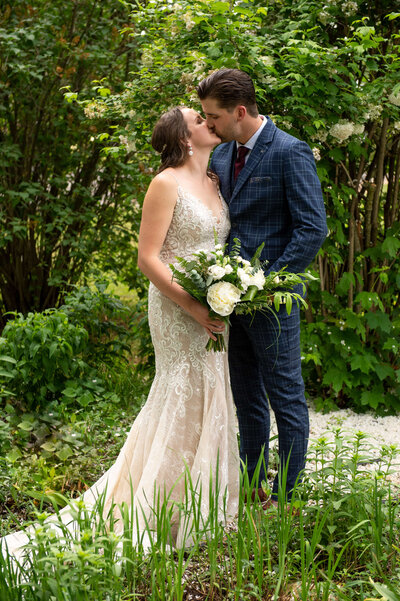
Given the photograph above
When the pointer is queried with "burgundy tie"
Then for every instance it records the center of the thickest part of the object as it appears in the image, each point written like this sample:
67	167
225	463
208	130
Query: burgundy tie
240	160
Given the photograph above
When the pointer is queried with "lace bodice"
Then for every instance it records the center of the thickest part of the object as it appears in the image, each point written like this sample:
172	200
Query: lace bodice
192	227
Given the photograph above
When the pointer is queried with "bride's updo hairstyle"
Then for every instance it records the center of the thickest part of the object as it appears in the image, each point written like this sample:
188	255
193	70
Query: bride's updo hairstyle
170	136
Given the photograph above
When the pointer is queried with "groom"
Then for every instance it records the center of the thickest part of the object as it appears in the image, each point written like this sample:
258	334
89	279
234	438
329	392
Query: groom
270	182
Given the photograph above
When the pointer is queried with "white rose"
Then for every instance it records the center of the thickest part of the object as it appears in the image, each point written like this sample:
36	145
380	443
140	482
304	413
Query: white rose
222	297
216	271
228	269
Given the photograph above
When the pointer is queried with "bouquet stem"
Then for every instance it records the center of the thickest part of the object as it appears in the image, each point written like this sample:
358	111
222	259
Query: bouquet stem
216	345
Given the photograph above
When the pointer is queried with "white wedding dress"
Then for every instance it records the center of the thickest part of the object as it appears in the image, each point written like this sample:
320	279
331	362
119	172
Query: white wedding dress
188	422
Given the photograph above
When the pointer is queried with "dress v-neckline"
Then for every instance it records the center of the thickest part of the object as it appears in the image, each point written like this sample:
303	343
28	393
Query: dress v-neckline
217	218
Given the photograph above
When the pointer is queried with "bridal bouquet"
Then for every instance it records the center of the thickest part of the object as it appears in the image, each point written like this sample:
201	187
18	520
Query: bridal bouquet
227	283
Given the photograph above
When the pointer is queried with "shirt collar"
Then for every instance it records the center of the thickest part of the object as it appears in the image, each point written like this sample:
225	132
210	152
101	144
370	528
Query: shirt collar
252	141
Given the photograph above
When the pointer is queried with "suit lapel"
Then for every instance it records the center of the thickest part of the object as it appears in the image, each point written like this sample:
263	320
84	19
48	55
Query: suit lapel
226	173
260	148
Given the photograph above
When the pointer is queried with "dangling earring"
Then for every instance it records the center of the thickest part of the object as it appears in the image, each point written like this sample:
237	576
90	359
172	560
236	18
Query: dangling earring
190	153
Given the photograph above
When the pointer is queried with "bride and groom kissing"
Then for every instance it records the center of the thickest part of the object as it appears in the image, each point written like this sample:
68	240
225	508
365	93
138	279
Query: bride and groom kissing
261	186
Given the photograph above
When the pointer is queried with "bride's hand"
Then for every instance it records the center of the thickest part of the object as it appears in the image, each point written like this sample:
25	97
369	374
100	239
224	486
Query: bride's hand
200	313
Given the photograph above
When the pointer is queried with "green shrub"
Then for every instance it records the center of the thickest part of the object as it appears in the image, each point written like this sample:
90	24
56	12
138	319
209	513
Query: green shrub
350	354
42	353
107	321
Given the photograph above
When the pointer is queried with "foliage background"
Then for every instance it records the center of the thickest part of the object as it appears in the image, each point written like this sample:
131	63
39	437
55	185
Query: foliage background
327	72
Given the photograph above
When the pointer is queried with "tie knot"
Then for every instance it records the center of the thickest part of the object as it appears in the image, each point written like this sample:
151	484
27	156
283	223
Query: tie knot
242	151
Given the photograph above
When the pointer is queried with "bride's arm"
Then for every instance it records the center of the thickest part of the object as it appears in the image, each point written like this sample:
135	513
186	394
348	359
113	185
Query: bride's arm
158	208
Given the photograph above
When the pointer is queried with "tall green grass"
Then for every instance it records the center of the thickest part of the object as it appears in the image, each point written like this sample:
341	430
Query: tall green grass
341	543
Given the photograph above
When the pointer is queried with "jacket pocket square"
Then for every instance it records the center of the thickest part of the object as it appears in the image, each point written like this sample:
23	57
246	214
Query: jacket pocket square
258	180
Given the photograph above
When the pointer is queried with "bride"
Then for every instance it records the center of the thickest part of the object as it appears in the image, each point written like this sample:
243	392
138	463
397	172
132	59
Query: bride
187	427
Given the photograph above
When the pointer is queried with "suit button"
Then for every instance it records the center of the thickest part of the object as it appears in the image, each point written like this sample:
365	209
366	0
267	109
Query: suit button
233	224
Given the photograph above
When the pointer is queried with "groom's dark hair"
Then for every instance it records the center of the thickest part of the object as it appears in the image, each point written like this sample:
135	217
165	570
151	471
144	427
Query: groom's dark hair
230	87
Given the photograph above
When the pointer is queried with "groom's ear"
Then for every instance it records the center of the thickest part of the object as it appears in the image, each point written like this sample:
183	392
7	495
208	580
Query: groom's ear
241	112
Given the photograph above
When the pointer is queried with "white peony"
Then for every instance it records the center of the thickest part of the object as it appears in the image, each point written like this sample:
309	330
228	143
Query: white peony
249	279
216	272
222	298
258	279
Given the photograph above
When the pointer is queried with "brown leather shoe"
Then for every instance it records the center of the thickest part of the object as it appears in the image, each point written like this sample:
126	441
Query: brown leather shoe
257	496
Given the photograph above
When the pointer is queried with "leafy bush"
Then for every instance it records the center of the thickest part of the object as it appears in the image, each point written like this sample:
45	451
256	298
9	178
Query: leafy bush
61	354
43	352
107	321
63	201
352	352
64	446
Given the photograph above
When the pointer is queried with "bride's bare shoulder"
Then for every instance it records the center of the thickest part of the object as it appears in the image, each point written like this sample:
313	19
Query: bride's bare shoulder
162	189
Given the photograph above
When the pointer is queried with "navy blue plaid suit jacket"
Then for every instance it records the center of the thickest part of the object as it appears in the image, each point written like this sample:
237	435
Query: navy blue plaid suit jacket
277	199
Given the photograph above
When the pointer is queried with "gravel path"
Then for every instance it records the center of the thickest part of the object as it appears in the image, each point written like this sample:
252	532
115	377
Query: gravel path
380	430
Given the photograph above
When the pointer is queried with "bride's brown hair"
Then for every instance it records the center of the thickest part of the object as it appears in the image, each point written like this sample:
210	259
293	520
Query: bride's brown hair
170	138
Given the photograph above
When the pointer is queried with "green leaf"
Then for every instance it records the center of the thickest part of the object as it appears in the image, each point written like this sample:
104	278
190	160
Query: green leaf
391	245
85	399
53	348
384	371
368	300
49	446
336	378
6	374
64	453
336	154
14	454
378	320
7	359
365	363
391	344
372	398
386	593
26	426
344	283
219	7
